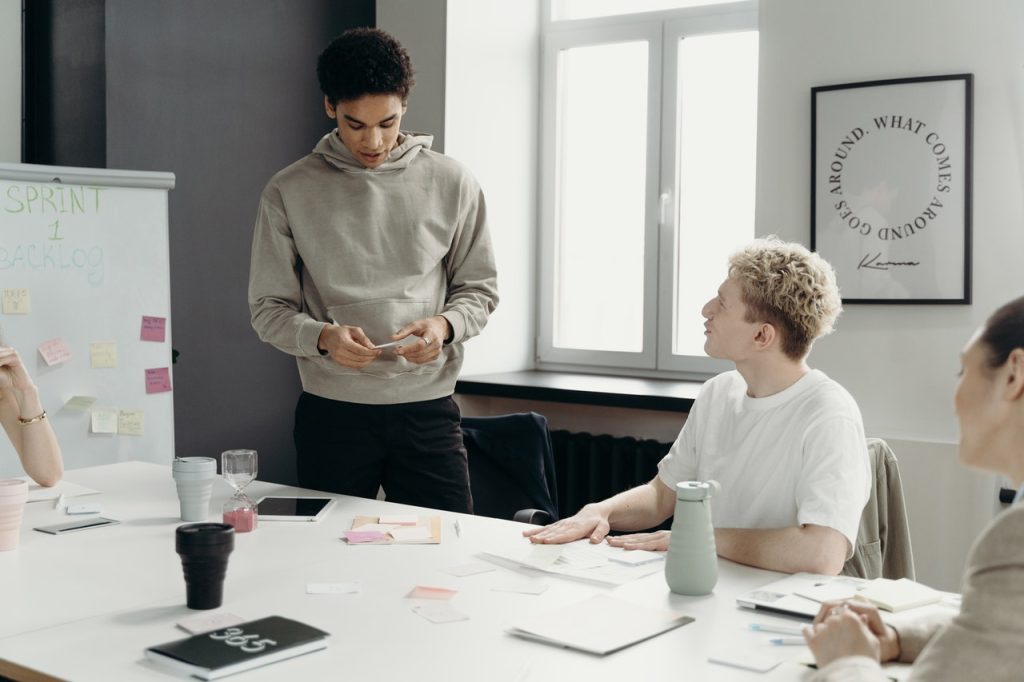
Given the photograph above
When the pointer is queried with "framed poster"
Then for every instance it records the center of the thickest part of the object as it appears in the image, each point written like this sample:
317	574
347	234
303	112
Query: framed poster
891	188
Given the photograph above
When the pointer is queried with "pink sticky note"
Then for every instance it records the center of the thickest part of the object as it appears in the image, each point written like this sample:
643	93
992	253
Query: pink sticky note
358	536
158	380
431	592
154	328
54	351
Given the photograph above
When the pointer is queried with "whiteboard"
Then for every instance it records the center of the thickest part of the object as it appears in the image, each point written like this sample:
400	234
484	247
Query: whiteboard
90	248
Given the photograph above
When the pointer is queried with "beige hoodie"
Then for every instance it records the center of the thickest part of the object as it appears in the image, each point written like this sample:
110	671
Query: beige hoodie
375	248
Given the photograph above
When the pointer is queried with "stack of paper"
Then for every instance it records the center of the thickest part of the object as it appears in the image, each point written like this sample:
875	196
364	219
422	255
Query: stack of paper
599	625
389	530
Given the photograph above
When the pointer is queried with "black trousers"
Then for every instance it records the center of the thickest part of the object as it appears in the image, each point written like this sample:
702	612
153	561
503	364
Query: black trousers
413	450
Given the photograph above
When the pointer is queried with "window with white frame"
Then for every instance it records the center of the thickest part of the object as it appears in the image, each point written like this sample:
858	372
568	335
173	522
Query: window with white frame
647	177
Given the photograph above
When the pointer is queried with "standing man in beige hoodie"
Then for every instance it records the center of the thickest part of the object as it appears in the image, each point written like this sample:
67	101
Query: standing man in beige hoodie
372	264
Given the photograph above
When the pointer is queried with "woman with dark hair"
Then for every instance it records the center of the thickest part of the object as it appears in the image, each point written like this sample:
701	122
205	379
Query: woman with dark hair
24	420
985	640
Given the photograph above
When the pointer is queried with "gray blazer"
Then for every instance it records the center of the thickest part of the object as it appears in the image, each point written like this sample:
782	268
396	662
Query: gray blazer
985	641
883	540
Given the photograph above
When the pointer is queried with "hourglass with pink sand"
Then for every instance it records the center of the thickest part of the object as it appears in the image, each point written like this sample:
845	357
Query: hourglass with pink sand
239	469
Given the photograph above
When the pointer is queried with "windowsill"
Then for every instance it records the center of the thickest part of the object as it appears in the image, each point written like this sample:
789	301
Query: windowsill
584	389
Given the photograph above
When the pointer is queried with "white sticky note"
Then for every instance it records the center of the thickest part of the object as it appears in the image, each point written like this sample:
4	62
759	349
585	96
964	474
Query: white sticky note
80	402
469	569
333	588
104	420
131	422
409	533
205	622
439	613
16	302
103	355
399	519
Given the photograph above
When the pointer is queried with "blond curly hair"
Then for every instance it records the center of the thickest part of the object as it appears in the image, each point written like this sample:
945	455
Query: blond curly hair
789	287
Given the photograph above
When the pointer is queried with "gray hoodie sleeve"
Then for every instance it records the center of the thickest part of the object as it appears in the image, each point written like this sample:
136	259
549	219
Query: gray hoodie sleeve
275	285
472	276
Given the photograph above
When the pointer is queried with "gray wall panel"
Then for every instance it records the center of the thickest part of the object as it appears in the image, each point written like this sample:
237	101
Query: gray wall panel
223	94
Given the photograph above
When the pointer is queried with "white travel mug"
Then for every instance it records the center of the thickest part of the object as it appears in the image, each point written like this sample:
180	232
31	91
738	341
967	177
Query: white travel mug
194	479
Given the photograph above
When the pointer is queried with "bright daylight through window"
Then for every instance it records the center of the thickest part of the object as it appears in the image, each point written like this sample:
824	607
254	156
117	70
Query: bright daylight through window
647	181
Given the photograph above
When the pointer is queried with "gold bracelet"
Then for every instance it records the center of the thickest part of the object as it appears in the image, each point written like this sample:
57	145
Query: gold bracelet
38	418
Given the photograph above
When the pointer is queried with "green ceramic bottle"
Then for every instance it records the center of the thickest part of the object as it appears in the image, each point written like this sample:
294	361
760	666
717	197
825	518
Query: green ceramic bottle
691	567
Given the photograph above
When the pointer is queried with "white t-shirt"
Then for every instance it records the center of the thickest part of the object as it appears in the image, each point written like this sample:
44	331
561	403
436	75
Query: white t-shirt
792	458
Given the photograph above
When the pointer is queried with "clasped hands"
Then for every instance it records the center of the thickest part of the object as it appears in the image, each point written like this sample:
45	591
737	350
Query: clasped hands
851	628
349	346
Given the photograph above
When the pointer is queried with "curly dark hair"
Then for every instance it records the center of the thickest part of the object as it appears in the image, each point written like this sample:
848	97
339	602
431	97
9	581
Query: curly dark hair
364	61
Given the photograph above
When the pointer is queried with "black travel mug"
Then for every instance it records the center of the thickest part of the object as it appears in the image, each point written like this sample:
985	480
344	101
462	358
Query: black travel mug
204	550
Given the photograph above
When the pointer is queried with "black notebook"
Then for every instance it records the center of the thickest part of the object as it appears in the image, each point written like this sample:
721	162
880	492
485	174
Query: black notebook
216	654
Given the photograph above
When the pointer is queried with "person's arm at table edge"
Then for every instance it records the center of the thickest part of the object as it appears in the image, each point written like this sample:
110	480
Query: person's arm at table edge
807	548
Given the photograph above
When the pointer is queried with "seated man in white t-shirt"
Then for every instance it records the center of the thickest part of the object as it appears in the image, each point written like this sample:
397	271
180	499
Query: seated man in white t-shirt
785	442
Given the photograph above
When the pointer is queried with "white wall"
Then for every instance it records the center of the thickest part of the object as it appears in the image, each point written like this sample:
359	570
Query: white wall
491	125
10	81
900	362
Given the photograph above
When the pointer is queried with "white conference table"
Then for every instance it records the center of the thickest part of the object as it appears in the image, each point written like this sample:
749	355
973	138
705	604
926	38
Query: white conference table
84	606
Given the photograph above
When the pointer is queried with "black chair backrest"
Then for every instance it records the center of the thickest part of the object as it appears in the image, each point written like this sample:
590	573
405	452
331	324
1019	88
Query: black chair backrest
511	465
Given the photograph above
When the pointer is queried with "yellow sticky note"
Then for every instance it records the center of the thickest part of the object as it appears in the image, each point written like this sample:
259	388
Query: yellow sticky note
102	355
104	420
130	422
16	302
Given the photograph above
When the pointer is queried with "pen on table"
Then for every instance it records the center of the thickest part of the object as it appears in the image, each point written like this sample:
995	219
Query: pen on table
781	641
59	501
458	529
780	629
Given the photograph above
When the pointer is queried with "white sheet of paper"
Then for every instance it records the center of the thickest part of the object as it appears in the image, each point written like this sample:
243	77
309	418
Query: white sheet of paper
747	660
581	557
333	588
407	533
37	493
829	591
600	624
636	557
543	555
442	612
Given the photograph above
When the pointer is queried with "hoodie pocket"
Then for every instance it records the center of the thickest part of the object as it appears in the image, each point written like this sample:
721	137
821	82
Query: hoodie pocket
379	319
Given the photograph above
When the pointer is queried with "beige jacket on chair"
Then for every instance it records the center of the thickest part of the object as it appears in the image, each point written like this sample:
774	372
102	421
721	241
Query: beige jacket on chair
883	541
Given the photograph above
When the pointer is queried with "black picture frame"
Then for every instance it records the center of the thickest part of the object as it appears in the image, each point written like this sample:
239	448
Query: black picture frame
891	185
